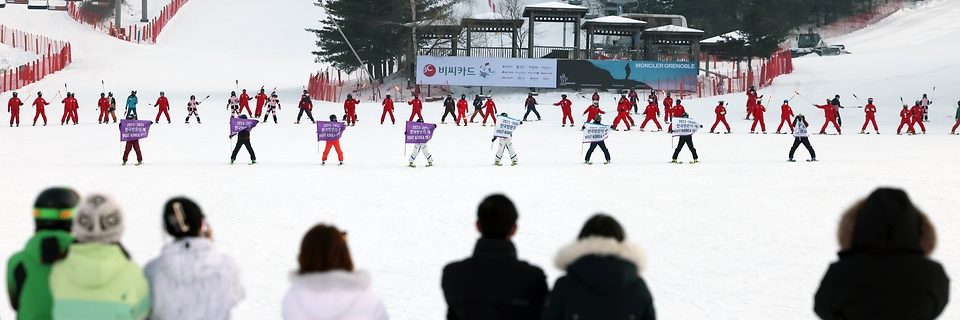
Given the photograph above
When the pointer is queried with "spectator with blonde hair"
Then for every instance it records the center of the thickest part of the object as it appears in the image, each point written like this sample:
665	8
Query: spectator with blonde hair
326	286
884	270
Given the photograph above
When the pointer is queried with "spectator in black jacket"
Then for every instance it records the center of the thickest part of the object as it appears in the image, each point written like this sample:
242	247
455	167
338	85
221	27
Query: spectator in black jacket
603	276
493	284
884	271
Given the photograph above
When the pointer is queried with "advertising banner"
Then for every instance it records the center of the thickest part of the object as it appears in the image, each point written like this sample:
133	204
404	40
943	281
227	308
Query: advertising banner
494	72
625	74
134	129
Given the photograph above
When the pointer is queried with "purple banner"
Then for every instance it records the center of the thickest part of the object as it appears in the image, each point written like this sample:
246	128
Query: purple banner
330	131
239	124
419	132
134	129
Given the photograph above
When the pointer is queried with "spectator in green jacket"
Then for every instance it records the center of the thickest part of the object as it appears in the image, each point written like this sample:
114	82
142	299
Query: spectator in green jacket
28	271
97	279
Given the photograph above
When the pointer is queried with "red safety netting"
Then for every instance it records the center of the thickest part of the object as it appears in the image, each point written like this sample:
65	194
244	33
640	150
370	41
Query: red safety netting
55	56
142	34
850	24
721	83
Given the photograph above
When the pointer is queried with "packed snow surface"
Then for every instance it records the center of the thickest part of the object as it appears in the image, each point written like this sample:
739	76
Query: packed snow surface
742	235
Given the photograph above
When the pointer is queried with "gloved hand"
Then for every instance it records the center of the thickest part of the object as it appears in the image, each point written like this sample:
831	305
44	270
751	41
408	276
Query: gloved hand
494	139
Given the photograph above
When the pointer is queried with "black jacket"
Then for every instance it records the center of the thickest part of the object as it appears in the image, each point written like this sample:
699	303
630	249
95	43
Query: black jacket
449	104
478	103
494	285
602	282
884	274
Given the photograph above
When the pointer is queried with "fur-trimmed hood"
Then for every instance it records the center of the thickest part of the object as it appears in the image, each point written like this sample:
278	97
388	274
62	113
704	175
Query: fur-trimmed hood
336	294
605	247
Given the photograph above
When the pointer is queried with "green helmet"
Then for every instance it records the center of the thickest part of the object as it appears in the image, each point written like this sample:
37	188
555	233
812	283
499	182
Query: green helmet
56	204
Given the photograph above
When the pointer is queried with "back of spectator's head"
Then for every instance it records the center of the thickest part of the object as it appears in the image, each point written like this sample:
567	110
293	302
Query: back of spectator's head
604	226
324	248
54	208
496	217
886	222
99	218
182	218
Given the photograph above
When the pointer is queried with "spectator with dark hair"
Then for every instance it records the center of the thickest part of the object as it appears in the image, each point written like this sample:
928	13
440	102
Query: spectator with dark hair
191	279
28	271
884	270
97	279
326	286
494	284
603	276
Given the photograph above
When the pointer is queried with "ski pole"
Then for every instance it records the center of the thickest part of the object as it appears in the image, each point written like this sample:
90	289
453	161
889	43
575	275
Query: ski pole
858	100
204	99
237	82
103	87
65	88
794	96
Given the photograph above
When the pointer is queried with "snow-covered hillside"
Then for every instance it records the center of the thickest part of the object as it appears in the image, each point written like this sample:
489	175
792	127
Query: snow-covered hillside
743	235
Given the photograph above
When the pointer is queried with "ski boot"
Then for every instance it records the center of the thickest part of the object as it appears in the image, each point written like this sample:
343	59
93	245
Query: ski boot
588	163
674	161
812	160
711	131
694	161
753	132
323	163
231	161
514	163
497	163
138	163
429	164
878	132
728	132
764	132
562	125
863	132
606	162
791	160
341	163
124	163
412	165
253	162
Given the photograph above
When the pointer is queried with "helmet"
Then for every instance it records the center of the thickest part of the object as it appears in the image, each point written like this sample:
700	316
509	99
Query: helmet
720	102
786	101
420	120
134	92
503	114
161	93
333	118
918	102
449	95
924	95
462	96
623	95
678	101
39	93
595	90
261	90
388	95
563	95
244	90
101	94
109	94
275	94
349	96
596	103
597	118
233	93
836	96
489	97
685	115
529	93
193	97
56	203
869	99
243	116
668	94
15	94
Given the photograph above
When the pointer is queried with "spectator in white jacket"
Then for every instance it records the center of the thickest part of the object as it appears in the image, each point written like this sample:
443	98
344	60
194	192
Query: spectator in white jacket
191	279
326	285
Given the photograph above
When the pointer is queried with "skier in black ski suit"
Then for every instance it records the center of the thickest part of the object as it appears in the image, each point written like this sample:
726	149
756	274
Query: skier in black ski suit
243	139
836	105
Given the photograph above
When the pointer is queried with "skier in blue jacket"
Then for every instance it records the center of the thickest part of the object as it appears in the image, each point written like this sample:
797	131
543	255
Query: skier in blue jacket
132	105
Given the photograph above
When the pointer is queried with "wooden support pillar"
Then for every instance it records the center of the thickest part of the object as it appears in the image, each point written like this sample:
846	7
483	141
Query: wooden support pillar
576	38
514	47
469	40
530	34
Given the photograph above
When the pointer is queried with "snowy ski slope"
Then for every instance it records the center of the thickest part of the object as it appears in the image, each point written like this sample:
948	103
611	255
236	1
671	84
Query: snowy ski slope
743	235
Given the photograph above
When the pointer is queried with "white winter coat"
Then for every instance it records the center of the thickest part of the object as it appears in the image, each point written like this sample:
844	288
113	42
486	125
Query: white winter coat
332	295
191	279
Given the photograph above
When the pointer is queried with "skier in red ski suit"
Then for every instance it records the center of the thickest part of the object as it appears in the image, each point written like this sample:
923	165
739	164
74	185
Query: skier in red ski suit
667	106
387	109
906	118
786	115
592	111
39	103
917	112
595	97
417	107
870	112
652	112
758	110
245	102
678	111
13	107
104	105
623	112
721	112
751	101
462	107
69	103
653	96
164	106
490	110
830	115
565	107
261	100
350	108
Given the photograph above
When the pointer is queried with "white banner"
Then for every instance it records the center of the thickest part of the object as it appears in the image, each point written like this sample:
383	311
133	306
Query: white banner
595	132
800	130
505	127
684	127
494	72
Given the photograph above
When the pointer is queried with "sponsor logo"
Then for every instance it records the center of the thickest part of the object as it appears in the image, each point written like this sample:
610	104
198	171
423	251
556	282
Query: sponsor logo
429	70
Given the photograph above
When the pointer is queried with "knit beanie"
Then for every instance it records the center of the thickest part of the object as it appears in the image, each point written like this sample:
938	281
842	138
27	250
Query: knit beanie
99	218
182	218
